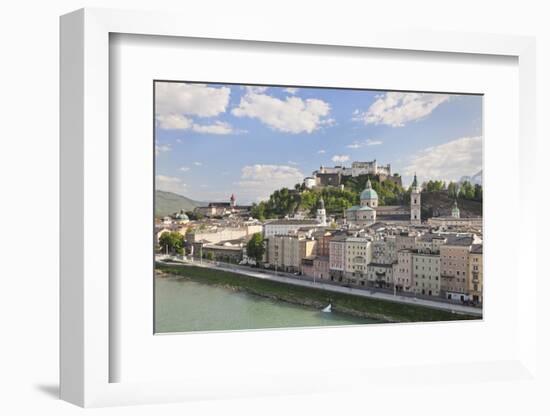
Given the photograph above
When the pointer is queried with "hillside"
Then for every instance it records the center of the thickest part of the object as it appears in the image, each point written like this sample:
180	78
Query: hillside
440	204
167	203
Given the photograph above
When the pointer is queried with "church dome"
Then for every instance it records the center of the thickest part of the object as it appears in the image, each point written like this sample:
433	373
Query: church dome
368	192
182	216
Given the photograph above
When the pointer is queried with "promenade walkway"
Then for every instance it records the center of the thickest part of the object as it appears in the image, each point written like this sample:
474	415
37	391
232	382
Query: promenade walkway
267	275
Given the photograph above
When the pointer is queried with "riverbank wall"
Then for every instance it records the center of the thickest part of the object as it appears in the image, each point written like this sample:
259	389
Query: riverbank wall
379	310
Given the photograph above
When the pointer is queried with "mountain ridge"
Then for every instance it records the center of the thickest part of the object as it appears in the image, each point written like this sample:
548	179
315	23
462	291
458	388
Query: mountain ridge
167	203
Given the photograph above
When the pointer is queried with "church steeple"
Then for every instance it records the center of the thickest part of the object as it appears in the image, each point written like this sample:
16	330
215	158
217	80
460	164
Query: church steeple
455	212
321	213
415	203
415	182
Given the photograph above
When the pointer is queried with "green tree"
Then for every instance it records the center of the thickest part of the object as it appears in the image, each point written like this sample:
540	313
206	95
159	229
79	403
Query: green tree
172	242
195	215
467	191
478	192
209	256
255	247
453	190
434	186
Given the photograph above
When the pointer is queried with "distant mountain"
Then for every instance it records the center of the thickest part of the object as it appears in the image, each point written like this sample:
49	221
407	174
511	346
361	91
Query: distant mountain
167	203
476	179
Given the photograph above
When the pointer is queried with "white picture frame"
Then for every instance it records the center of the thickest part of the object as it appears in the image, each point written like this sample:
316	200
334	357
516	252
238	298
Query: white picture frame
86	356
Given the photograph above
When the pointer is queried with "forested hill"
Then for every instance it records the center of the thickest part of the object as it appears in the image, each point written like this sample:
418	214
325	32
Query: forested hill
167	203
286	201
437	198
440	203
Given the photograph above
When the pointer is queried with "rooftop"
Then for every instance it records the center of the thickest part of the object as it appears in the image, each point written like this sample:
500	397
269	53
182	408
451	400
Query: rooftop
459	240
288	221
477	248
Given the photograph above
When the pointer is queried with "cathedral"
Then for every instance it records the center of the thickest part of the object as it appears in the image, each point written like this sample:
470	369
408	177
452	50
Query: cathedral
368	211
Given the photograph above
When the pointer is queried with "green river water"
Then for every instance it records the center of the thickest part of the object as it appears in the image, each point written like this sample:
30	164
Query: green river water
182	305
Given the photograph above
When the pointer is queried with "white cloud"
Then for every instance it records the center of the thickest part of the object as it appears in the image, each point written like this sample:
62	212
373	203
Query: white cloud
259	181
190	99
197	163
362	143
448	161
162	148
340	158
218	127
399	108
174	122
292	115
177	104
291	90
321	151
185	168
170	184
291	162
179	122
251	89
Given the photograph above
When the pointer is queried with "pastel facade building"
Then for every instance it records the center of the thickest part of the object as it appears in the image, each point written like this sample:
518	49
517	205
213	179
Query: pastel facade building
430	243
380	275
475	275
337	257
384	250
286	226
405	241
426	273
402	271
321	267
285	252
358	254
455	255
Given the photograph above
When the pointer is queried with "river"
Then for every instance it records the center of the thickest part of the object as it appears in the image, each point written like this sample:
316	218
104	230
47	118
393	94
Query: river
182	305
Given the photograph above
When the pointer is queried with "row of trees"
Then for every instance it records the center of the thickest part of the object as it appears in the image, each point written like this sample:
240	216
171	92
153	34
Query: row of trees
462	190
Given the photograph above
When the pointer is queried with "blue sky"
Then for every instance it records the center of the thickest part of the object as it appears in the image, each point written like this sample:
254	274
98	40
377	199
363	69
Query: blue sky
213	140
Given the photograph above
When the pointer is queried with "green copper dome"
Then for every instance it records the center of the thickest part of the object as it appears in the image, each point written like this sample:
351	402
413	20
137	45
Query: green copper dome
368	192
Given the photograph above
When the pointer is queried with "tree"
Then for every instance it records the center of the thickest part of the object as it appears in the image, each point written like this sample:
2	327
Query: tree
452	190
478	193
255	247
194	215
467	191
434	186
171	242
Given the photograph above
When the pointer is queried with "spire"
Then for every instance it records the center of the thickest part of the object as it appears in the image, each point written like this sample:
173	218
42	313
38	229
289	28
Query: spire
321	203
369	185
415	182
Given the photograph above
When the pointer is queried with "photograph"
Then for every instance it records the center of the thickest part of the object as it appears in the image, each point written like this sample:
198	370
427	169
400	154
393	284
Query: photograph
289	206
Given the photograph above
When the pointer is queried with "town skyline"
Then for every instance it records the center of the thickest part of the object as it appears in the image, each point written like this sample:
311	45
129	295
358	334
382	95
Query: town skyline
212	139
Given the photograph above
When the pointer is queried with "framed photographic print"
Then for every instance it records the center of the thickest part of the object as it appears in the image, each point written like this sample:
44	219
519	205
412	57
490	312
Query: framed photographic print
255	215
351	241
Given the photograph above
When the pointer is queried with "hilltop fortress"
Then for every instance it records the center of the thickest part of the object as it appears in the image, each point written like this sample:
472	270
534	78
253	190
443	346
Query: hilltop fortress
333	176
